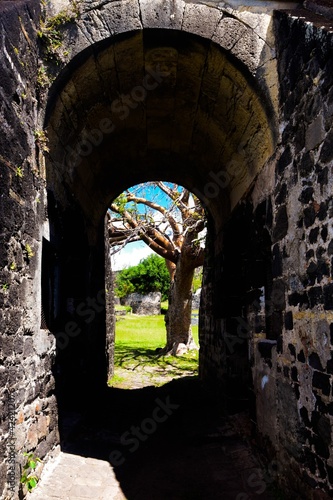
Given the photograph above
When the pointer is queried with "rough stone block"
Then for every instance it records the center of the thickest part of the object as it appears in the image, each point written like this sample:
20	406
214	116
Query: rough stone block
288	320
43	341
162	14
315	133
229	32
193	16
144	304
321	447
284	160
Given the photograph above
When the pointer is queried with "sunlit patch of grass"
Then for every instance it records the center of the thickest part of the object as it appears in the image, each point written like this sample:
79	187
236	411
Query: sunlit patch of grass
134	331
117	379
137	362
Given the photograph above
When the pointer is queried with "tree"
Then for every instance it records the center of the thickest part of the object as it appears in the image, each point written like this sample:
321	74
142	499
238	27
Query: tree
171	228
150	275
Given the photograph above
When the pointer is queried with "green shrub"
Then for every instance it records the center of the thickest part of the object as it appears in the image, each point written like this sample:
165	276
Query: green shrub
151	275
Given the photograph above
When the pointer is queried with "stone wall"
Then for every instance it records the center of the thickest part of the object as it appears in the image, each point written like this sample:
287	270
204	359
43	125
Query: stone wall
302	239
144	304
271	328
27	398
266	307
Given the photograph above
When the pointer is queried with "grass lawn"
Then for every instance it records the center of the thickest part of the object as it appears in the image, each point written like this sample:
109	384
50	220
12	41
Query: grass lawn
136	361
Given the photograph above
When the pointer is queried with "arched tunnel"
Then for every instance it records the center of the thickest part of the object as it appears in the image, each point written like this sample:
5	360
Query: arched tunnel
158	103
148	105
232	101
151	105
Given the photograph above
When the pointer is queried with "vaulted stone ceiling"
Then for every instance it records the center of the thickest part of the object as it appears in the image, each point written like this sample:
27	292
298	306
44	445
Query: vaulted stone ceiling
156	104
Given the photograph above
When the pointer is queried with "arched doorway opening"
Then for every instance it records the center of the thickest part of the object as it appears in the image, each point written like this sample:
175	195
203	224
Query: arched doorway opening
169	222
159	104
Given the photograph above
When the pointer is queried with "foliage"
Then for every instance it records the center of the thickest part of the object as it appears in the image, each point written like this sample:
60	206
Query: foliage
43	79
166	216
164	306
29	251
19	172
150	275
28	477
41	140
51	35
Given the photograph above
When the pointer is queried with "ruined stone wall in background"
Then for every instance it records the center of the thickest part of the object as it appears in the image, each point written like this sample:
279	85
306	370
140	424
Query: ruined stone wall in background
27	397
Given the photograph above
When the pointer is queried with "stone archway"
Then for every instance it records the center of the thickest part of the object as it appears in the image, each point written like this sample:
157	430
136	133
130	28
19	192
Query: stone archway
151	104
211	124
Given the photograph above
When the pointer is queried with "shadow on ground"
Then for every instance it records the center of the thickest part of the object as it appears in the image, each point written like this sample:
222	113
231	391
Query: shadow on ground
140	367
168	443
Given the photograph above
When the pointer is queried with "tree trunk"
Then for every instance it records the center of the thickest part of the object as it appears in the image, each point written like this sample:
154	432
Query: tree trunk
178	317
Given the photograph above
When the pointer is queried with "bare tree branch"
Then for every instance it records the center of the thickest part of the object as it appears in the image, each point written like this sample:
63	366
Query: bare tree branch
156	240
132	225
173	223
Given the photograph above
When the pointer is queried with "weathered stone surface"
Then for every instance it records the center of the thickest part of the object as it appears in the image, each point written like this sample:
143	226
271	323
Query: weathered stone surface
193	16
315	133
127	105
281	224
22	218
149	304
162	14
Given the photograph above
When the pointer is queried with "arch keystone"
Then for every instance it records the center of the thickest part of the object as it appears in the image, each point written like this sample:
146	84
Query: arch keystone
162	13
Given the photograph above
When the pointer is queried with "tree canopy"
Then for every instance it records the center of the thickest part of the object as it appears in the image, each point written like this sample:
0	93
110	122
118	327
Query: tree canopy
150	275
167	217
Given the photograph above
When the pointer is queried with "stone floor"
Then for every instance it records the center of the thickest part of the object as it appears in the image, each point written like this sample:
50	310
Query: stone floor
166	443
74	477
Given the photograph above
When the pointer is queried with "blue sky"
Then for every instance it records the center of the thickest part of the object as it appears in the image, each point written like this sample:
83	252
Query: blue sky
130	255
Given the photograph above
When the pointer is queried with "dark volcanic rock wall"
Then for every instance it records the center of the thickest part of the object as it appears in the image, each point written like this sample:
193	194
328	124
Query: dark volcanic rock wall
26	385
266	328
303	243
267	335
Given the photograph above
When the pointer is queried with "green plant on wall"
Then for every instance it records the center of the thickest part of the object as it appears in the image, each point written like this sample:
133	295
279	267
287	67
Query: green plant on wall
51	36
29	251
19	172
29	477
43	79
4	287
41	140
